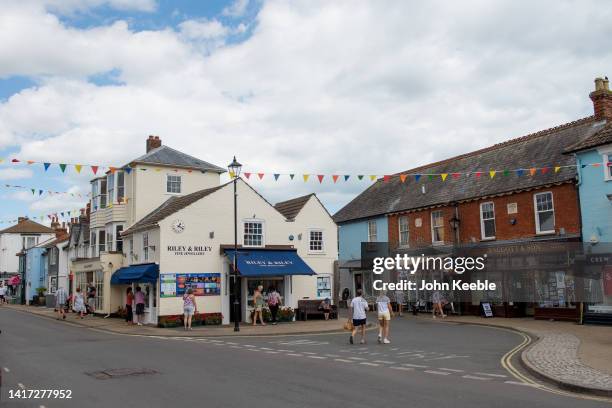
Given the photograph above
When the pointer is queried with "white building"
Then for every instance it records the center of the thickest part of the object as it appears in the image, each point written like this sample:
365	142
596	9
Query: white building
188	241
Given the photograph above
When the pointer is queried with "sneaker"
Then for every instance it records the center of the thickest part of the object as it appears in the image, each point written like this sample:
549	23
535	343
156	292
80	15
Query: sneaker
140	324
386	341
351	339
379	338
434	317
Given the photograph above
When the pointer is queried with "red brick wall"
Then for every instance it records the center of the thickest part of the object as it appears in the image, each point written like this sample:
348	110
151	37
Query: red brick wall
567	216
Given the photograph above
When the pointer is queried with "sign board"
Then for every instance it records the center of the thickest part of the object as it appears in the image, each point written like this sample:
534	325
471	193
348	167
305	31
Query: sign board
486	308
202	284
512	208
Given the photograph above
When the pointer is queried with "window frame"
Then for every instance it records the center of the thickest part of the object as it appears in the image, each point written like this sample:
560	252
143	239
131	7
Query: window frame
180	183
536	213
53	256
607	164
120	187
370	234
101	241
400	231
118	237
433	227
482	221
310	241
145	246
263	232
110	188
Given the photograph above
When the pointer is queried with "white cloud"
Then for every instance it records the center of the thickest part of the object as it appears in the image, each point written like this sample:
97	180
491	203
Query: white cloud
236	9
15	173
344	87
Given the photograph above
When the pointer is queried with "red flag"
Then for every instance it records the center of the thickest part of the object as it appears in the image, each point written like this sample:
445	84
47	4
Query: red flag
247	175
335	177
15	161
260	175
478	174
386	178
320	177
544	170
456	175
94	169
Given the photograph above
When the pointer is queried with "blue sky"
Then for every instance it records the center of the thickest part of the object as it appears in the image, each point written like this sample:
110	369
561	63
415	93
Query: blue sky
302	86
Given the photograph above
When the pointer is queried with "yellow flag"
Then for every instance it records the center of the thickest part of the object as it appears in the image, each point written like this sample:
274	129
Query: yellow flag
557	168
444	176
373	177
78	167
305	176
492	173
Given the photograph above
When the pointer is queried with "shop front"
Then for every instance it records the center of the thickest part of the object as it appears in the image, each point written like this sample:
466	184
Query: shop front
143	276
97	272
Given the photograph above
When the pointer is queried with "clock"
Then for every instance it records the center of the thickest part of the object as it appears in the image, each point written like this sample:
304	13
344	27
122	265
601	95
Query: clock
178	226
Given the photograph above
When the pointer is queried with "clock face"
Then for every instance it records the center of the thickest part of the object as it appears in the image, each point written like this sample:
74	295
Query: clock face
178	226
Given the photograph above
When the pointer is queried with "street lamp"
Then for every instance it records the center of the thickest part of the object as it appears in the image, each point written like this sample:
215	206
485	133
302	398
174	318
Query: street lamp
234	170
454	223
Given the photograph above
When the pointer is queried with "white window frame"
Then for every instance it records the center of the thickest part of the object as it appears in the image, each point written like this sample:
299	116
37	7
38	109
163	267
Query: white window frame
431	219
180	183
482	221
401	230
145	246
310	240
607	164
263	232
118	237
372	235
25	238
120	188
536	212
110	188
52	256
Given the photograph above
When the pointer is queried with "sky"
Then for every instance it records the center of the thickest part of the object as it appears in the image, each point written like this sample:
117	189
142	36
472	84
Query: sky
302	86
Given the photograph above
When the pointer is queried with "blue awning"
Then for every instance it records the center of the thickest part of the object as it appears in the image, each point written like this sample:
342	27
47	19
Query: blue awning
262	262
136	273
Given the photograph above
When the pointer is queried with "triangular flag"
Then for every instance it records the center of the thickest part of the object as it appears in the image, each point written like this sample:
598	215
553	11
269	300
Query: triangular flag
31	162
492	173
232	174
403	177
417	177
128	170
583	165
276	176
305	177
292	176
372	177
478	174
519	172
544	170
15	161
157	169
430	177
62	167
335	177
386	178
247	175
596	164
94	169
78	167
62	214
456	175
532	171
320	177
346	177
360	176
444	176
557	168
40	192
506	173
33	191
260	175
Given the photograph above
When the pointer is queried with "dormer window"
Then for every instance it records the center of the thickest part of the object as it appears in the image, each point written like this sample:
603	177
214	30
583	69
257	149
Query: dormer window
173	184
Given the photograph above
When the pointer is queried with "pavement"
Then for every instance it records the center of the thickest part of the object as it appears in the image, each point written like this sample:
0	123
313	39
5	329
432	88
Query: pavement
429	363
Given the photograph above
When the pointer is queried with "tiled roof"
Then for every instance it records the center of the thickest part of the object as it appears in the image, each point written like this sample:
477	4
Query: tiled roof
604	136
54	241
27	226
167	156
544	148
291	208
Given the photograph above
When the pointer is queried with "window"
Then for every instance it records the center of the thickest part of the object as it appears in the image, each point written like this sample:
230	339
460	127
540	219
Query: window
119	238
253	233
53	256
109	241
94	195
437	227
608	166
404	234
110	185
315	242
102	190
173	184
101	241
145	246
120	186
131	248
487	220
372	233
92	242
28	242
544	212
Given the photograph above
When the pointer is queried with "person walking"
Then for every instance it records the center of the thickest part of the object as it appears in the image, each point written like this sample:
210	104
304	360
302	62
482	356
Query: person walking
189	308
383	305
2	292
358	310
60	301
258	304
79	303
399	299
436	299
129	303
274	301
91	298
139	298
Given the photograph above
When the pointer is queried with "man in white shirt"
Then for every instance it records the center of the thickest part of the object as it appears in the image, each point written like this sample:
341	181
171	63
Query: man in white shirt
358	310
2	292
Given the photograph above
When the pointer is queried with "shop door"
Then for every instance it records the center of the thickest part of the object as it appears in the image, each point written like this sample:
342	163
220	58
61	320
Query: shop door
232	289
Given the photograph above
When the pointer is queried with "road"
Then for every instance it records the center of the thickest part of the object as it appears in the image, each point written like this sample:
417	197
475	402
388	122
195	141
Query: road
428	364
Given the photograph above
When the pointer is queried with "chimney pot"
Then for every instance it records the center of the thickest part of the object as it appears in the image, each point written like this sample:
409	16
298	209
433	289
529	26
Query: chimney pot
20	219
153	142
602	99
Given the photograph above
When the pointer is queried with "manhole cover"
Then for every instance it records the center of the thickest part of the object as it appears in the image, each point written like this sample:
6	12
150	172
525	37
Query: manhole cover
121	372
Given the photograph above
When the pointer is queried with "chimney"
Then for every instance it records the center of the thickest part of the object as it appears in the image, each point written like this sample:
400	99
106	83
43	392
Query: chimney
21	219
602	99
54	224
153	142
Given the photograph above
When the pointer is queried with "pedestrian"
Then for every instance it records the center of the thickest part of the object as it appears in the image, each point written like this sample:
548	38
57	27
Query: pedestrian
399	299
325	307
139	298
436	299
383	304
274	301
79	303
258	304
358	310
2	292
91	298
189	308
129	302
60	300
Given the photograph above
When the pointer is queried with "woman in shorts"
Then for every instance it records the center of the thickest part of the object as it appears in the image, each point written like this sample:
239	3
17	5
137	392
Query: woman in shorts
258	304
383	305
189	308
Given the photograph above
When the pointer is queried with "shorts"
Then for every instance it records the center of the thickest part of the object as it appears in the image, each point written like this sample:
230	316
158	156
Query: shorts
91	302
188	310
139	308
359	322
384	315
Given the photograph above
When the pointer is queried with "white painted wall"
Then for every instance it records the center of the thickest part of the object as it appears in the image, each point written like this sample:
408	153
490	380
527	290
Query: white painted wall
10	244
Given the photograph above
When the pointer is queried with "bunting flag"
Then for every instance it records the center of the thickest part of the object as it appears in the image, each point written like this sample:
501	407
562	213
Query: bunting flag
41	191
557	168
360	177
128	170
247	175
94	169
544	170
335	178
62	167
506	173
320	177
519	172
276	176
386	178
46	165
492	173
373	177
78	168
260	175
403	177
292	176
456	175
417	177
532	171
444	176
305	177
346	177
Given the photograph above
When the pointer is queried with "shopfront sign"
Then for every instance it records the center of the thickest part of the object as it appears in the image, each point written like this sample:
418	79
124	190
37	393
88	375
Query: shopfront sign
189	250
202	284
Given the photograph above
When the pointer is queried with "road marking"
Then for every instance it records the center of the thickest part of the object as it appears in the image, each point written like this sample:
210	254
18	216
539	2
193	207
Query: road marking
319	357
402	368
308	352
447	357
272	352
473	377
384	362
394	349
265	348
356	358
415	365
295	354
370	364
343	360
522	383
451	369
235	347
233	344
248	345
493	375
6	370
332	355
285	351
437	372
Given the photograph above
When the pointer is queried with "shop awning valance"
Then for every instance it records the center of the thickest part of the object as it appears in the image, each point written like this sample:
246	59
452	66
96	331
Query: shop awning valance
263	262
136	273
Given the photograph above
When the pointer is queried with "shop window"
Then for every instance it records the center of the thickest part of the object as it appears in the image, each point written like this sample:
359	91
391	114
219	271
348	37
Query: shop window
555	289
173	184
253	233
487	220
315	243
544	213
324	287
372	231
268	283
437	227
404	232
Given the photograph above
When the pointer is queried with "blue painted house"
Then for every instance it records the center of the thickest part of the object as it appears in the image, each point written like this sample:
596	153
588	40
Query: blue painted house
594	163
35	271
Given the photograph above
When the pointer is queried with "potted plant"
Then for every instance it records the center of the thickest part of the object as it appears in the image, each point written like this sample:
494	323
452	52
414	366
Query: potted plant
41	295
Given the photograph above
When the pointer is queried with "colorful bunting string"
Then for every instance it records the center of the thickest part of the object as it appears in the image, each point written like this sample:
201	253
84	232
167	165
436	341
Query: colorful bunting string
40	191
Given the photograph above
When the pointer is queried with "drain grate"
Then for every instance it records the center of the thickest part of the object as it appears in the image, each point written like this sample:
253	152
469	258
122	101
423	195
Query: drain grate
121	372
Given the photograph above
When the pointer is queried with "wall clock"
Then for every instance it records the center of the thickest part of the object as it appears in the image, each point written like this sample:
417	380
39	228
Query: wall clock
178	226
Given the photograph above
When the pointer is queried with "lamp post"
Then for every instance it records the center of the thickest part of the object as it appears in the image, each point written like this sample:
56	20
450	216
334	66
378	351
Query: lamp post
234	170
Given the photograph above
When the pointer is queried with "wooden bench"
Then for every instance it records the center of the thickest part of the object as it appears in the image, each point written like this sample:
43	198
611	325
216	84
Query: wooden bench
310	307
